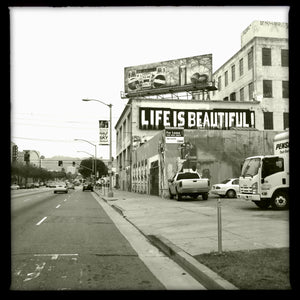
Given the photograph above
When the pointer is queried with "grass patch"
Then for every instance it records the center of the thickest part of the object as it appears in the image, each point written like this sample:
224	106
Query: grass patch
266	269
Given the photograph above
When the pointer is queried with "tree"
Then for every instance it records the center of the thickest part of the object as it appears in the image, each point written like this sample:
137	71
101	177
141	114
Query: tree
86	167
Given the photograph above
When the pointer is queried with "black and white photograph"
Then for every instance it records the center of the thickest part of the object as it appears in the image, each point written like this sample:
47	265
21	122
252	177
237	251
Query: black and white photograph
149	148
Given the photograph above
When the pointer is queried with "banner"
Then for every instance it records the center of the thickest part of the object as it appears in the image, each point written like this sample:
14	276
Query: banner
103	132
153	118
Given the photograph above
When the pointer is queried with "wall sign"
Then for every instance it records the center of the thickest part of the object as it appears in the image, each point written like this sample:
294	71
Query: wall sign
159	118
174	135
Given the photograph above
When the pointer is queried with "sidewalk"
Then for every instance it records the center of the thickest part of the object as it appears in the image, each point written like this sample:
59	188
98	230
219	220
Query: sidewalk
191	227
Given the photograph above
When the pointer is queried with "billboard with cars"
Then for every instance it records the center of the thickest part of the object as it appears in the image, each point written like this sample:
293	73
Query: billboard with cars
168	74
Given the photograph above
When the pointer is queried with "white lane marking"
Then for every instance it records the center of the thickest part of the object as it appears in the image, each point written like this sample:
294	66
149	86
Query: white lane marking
57	206
41	221
62	254
56	255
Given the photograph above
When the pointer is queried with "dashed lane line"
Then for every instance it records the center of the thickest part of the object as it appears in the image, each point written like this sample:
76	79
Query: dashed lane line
40	222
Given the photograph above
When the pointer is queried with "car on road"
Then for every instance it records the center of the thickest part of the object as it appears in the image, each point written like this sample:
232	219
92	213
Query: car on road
71	186
87	186
60	188
14	187
29	185
227	188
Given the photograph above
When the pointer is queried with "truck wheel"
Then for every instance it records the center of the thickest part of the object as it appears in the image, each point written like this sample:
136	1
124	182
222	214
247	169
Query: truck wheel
280	200
204	196
264	204
230	194
171	195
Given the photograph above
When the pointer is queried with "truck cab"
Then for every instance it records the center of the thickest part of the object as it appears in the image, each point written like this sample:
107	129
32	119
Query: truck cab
265	179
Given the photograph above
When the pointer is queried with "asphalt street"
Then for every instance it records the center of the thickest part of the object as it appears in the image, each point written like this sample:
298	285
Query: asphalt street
69	242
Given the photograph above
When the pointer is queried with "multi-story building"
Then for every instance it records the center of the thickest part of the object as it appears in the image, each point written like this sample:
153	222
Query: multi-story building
250	105
259	71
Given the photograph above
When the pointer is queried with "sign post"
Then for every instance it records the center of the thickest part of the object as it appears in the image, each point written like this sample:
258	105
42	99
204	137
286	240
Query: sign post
219	226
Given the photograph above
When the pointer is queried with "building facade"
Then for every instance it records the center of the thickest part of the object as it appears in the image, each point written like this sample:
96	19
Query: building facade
259	71
251	104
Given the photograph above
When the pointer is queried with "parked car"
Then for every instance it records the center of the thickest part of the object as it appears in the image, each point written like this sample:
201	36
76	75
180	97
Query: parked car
14	187
60	188
87	186
188	184
227	188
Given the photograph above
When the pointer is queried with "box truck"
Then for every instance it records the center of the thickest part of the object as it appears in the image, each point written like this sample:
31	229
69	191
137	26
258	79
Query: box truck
264	179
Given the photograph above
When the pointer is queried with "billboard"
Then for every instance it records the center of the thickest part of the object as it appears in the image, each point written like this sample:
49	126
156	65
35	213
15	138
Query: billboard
154	118
103	132
175	73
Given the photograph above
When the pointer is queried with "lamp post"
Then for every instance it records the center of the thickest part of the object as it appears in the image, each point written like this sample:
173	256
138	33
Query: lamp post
95	163
110	192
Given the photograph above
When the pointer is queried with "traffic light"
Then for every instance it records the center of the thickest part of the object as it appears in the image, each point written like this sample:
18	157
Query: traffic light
60	163
73	163
27	156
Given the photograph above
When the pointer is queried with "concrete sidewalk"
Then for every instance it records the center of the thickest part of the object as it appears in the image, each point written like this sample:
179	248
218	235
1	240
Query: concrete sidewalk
191	227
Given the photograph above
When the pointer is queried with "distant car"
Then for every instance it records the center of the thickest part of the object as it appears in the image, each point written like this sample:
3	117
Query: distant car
70	186
60	188
36	185
87	186
29	185
227	188
14	187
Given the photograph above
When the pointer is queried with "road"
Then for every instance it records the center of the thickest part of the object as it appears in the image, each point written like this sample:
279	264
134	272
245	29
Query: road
70	242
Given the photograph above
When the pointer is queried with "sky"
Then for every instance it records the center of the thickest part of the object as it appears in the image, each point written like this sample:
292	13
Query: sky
60	55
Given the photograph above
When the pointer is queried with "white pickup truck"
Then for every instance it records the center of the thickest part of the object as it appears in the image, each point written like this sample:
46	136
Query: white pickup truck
188	184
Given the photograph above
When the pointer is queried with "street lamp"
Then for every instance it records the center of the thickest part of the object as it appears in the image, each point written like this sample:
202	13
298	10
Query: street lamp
95	164
110	192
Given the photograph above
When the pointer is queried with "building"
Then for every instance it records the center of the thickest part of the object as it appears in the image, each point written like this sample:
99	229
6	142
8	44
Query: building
259	71
221	127
32	155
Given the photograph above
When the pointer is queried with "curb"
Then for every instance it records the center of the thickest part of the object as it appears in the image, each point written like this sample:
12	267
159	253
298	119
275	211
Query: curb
200	272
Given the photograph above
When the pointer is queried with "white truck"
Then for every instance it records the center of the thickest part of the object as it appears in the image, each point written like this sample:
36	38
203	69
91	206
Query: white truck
265	179
188	184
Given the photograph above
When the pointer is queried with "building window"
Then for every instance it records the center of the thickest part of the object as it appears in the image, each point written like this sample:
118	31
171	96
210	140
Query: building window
242	97
219	83
226	78
268	120
251	90
285	89
266	57
225	99
232	97
250	60
233	73
284	58
241	67
267	88
285	120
